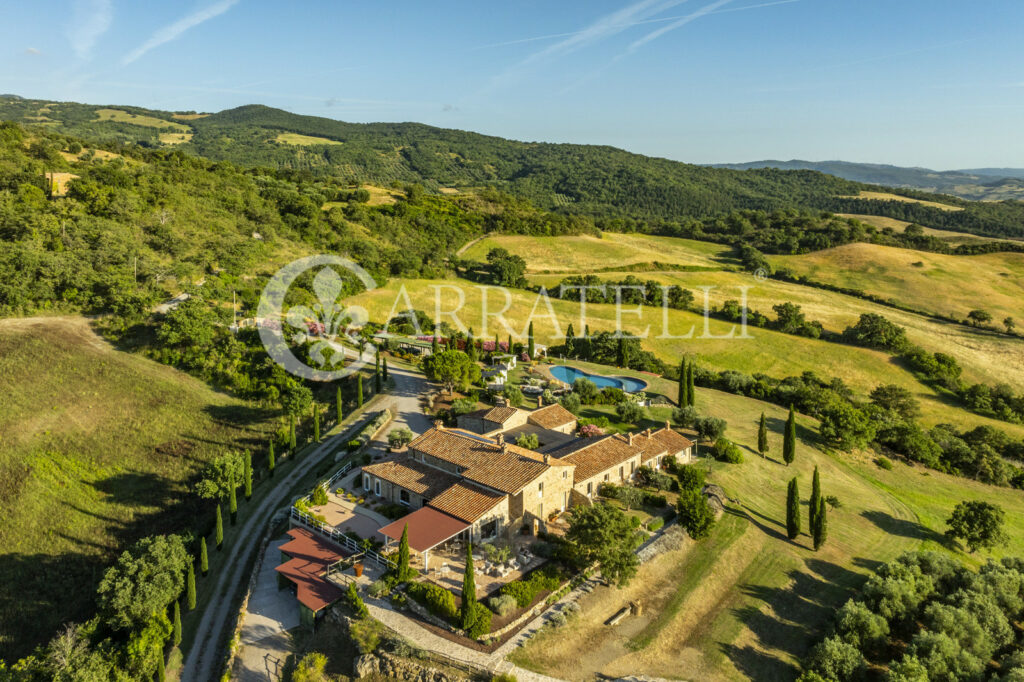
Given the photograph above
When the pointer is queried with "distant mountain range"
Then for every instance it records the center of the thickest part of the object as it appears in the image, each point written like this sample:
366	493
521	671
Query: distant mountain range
969	183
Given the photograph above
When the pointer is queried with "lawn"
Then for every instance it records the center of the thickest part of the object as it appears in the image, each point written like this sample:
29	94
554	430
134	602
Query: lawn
303	140
99	446
886	196
746	602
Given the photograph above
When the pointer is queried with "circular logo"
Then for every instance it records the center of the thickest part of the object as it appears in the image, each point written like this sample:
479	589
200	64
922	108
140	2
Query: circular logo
331	329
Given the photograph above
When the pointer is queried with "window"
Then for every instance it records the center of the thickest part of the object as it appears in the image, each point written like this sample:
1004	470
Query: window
366	481
622	473
632	467
403	497
376	486
489	529
590	489
540	489
565	474
606	477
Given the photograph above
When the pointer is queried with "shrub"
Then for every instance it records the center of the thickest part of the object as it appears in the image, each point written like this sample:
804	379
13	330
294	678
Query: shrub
503	604
833	501
400	437
438	600
481	622
354	444
504	677
609	490
528	441
655	524
634	521
657	501
727	451
884	463
525	591
398	600
691	477
319	497
379	588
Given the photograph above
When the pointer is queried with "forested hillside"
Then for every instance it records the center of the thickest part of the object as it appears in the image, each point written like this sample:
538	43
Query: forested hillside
598	181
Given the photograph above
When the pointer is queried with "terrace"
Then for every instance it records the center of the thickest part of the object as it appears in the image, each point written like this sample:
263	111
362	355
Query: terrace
448	565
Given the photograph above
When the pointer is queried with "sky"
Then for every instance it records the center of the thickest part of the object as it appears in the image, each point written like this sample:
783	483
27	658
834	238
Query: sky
935	83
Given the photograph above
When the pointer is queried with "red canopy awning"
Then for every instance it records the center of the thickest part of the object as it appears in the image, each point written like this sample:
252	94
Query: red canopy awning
310	556
428	528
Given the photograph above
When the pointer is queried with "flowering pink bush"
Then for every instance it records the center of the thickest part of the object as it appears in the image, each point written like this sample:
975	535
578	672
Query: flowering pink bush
591	431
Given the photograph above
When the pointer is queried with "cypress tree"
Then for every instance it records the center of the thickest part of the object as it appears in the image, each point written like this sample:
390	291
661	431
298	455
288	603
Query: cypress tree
404	572
291	432
684	394
820	531
620	352
190	586
316	424
359	391
471	346
793	509
247	475
509	349
271	462
204	559
232	499
339	409
219	532
689	386
385	366
161	669
812	508
177	623
762	437
435	347
376	375
789	438
468	591
570	341
529	341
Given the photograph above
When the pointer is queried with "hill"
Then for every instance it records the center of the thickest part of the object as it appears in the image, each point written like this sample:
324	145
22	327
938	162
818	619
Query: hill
100	447
978	184
598	181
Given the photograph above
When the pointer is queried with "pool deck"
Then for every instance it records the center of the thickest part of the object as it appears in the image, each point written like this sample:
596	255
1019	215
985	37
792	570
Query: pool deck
546	370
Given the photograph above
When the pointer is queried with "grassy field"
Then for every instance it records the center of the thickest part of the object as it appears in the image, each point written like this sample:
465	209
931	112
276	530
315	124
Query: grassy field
140	120
898	226
585	253
746	602
950	285
885	196
766	351
303	140
99	446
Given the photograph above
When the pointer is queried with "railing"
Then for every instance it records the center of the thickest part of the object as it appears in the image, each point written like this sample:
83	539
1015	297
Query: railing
345	541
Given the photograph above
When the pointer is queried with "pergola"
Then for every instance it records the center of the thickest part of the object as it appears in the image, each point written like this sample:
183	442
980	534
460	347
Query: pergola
428	528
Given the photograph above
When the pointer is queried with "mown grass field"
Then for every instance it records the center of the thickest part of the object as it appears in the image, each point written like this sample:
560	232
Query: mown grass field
98	447
303	140
899	226
885	196
746	602
950	285
140	120
586	253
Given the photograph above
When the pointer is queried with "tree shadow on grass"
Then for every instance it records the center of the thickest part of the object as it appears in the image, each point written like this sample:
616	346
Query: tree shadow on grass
758	665
905	528
765	524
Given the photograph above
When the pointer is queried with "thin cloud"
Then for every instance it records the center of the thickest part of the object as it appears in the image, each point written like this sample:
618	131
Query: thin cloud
678	23
33	50
173	31
605	27
90	19
659	20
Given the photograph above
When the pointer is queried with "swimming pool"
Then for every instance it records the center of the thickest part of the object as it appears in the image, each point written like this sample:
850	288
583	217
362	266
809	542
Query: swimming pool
569	374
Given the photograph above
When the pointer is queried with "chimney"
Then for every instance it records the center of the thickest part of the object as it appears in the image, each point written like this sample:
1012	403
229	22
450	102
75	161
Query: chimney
668	425
540	402
630	437
500	402
500	438
647	432
504	448
547	459
439	425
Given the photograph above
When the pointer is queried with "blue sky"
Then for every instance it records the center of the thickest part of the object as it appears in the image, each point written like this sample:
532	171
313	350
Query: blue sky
936	83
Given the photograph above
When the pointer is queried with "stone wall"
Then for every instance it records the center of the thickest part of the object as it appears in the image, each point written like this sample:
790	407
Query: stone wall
397	668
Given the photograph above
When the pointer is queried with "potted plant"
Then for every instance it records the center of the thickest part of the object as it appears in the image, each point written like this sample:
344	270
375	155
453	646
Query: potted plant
358	569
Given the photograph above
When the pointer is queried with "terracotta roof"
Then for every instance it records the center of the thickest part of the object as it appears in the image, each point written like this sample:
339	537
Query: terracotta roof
428	528
310	556
500	414
601	454
552	416
507	468
672	440
416	477
466	502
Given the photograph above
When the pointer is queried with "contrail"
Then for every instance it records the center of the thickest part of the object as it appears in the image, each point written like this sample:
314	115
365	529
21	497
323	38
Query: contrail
173	31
